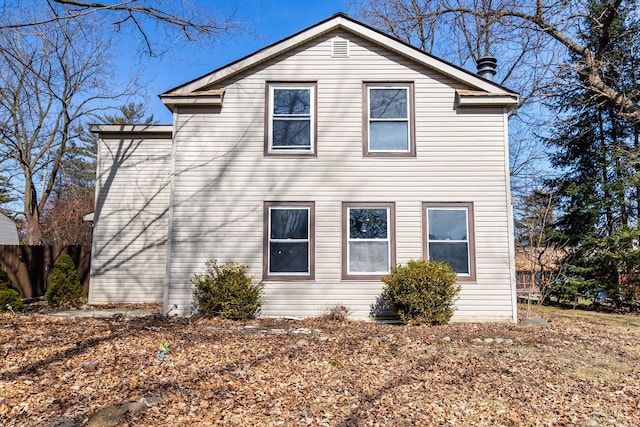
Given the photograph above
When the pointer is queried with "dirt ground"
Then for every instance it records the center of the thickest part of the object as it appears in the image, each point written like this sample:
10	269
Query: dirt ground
579	370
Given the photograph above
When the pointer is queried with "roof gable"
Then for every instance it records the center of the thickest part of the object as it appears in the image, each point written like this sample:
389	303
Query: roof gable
340	21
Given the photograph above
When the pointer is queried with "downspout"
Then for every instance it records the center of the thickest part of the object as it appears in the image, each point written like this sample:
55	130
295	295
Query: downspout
172	178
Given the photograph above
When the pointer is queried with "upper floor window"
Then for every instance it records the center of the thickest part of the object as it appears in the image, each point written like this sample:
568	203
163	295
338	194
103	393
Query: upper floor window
291	118
368	239
449	236
389	127
289	240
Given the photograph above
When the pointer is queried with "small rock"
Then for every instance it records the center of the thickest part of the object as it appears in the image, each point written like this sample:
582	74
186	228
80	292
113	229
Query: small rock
489	340
508	341
535	321
590	423
110	416
135	407
323	338
499	340
446	339
292	346
89	365
302	343
477	340
152	399
301	331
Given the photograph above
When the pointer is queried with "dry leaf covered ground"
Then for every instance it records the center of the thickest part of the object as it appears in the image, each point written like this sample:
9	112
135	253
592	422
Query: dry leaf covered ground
575	371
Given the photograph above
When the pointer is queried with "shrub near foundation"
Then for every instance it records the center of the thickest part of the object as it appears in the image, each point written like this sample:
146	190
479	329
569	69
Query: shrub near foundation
226	290
422	292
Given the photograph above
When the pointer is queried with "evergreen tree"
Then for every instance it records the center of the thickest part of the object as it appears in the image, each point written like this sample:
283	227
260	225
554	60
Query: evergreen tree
596	151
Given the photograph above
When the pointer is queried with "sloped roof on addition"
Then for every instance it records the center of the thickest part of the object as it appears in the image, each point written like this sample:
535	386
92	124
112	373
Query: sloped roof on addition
484	92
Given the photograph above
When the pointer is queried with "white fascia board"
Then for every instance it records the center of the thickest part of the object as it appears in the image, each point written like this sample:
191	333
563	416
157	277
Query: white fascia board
172	101
130	128
505	100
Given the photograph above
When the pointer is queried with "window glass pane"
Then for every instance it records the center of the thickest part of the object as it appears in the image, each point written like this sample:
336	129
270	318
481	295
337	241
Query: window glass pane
388	136
289	257
388	103
368	257
291	101
289	224
293	133
368	223
453	253
447	224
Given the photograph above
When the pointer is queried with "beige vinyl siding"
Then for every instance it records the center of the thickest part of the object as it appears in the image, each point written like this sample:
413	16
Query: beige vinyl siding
130	221
222	178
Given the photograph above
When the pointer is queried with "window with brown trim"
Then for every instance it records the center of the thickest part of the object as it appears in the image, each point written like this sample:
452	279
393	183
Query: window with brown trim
289	241
449	236
368	239
389	119
290	118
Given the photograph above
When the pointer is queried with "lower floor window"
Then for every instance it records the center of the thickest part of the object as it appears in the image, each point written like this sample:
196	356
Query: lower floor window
289	240
368	245
449	236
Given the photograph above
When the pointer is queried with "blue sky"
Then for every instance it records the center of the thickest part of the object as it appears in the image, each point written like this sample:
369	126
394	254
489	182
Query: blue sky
267	20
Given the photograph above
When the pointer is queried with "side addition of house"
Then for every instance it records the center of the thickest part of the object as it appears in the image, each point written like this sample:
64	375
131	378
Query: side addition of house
320	162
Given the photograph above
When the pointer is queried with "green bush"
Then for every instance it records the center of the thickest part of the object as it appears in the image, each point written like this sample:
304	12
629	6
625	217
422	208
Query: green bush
422	292
226	290
9	296
65	287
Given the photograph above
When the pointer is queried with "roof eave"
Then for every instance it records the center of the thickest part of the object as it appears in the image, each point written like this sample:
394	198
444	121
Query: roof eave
485	99
148	131
212	98
344	22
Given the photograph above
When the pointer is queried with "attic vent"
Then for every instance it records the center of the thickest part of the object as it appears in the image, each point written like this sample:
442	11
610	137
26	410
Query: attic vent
339	48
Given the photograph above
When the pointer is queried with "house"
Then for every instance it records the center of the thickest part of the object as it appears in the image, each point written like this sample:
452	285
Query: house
8	231
319	162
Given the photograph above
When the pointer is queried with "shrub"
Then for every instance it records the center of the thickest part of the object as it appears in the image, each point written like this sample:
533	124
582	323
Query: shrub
65	287
422	292
337	312
226	290
9	296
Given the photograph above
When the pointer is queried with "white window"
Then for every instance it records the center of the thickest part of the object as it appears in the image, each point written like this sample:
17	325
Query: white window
449	236
290	118
389	123
368	246
289	240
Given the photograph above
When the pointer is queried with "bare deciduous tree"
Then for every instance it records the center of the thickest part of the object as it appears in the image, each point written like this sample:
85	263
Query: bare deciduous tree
158	23
536	36
49	84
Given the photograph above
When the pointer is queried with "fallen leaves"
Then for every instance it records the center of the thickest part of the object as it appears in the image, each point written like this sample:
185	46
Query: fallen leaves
311	372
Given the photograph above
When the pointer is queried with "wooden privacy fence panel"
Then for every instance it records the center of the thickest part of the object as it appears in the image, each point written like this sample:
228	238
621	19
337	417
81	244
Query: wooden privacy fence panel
29	267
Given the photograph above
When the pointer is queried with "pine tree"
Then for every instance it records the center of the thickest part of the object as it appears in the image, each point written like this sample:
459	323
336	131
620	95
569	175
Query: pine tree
596	152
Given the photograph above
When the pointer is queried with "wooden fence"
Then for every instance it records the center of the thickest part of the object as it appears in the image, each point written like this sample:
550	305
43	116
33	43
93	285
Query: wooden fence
29	267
